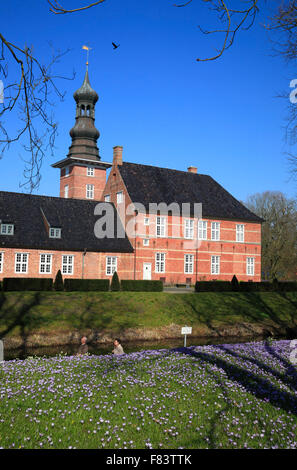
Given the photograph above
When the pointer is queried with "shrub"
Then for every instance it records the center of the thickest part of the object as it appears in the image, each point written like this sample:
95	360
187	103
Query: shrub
27	284
235	284
86	285
115	282
142	286
58	284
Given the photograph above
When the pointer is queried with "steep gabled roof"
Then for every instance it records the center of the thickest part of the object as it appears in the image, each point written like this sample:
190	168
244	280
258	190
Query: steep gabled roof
74	216
150	184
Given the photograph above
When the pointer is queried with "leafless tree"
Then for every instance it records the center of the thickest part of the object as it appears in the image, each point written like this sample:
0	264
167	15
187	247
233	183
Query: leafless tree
279	234
284	26
28	98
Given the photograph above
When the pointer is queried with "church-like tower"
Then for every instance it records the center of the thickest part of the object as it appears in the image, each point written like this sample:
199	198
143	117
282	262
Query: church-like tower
83	174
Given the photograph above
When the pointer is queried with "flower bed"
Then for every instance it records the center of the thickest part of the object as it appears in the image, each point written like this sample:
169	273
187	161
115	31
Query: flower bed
226	396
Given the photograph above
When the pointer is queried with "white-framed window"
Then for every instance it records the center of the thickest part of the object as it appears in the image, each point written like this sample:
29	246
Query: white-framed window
161	226
107	198
215	265
45	264
146	221
66	191
90	191
111	265
21	263
160	262
215	230
146	242
202	230
189	228
55	232
7	229
1	261
67	171
250	266
67	264
189	264
90	171
120	197
240	233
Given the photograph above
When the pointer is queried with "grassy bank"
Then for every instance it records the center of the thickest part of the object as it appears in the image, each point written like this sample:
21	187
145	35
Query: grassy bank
26	313
232	396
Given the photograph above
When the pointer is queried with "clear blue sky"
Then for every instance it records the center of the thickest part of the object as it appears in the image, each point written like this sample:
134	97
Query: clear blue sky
156	101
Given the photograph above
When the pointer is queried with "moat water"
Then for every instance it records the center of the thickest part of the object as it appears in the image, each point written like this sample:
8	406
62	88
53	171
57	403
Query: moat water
131	346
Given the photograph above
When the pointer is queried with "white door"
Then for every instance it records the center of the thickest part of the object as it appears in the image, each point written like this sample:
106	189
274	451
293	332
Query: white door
147	271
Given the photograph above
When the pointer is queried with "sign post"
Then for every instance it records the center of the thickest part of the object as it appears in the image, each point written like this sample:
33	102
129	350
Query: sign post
1	351
186	330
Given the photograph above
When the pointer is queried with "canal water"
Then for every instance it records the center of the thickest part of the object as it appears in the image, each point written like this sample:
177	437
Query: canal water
131	346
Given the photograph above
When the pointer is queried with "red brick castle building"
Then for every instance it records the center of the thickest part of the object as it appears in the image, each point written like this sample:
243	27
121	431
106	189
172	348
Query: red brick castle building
155	231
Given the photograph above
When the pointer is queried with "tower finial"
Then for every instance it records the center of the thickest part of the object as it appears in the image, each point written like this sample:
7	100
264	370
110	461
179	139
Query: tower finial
87	48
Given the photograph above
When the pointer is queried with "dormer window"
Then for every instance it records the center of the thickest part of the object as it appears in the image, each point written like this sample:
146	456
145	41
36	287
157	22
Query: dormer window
7	229
55	232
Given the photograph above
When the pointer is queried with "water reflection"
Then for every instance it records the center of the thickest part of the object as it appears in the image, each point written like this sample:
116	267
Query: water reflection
131	346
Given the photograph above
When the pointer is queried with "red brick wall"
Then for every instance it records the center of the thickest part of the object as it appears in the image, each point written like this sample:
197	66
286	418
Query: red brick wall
78	179
232	254
94	264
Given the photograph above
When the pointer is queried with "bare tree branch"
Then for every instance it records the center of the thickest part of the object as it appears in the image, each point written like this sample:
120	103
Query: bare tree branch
29	98
233	20
57	8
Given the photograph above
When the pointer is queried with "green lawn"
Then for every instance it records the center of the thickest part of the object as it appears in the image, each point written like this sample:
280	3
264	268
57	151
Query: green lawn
27	312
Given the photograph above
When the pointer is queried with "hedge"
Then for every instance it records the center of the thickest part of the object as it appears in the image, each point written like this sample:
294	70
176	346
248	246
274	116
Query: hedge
227	286
27	284
142	286
86	285
213	286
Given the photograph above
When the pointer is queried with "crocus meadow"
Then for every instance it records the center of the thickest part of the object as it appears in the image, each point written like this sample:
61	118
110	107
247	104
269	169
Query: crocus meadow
222	396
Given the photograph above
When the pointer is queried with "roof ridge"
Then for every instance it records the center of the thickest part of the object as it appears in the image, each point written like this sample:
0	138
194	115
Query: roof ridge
92	201
164	168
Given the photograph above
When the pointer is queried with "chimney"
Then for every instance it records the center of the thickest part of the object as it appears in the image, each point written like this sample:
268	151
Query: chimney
118	155
192	169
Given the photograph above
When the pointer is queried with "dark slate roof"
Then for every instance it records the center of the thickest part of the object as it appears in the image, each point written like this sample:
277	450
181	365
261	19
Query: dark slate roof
74	216
150	184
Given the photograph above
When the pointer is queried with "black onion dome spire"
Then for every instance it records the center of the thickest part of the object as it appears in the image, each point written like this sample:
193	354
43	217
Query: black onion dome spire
84	133
86	92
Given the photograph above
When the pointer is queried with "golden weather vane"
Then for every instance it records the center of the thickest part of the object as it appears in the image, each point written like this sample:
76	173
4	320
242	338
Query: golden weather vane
87	48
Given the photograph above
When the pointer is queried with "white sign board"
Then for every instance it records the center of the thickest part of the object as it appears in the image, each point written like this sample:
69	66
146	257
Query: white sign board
186	330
